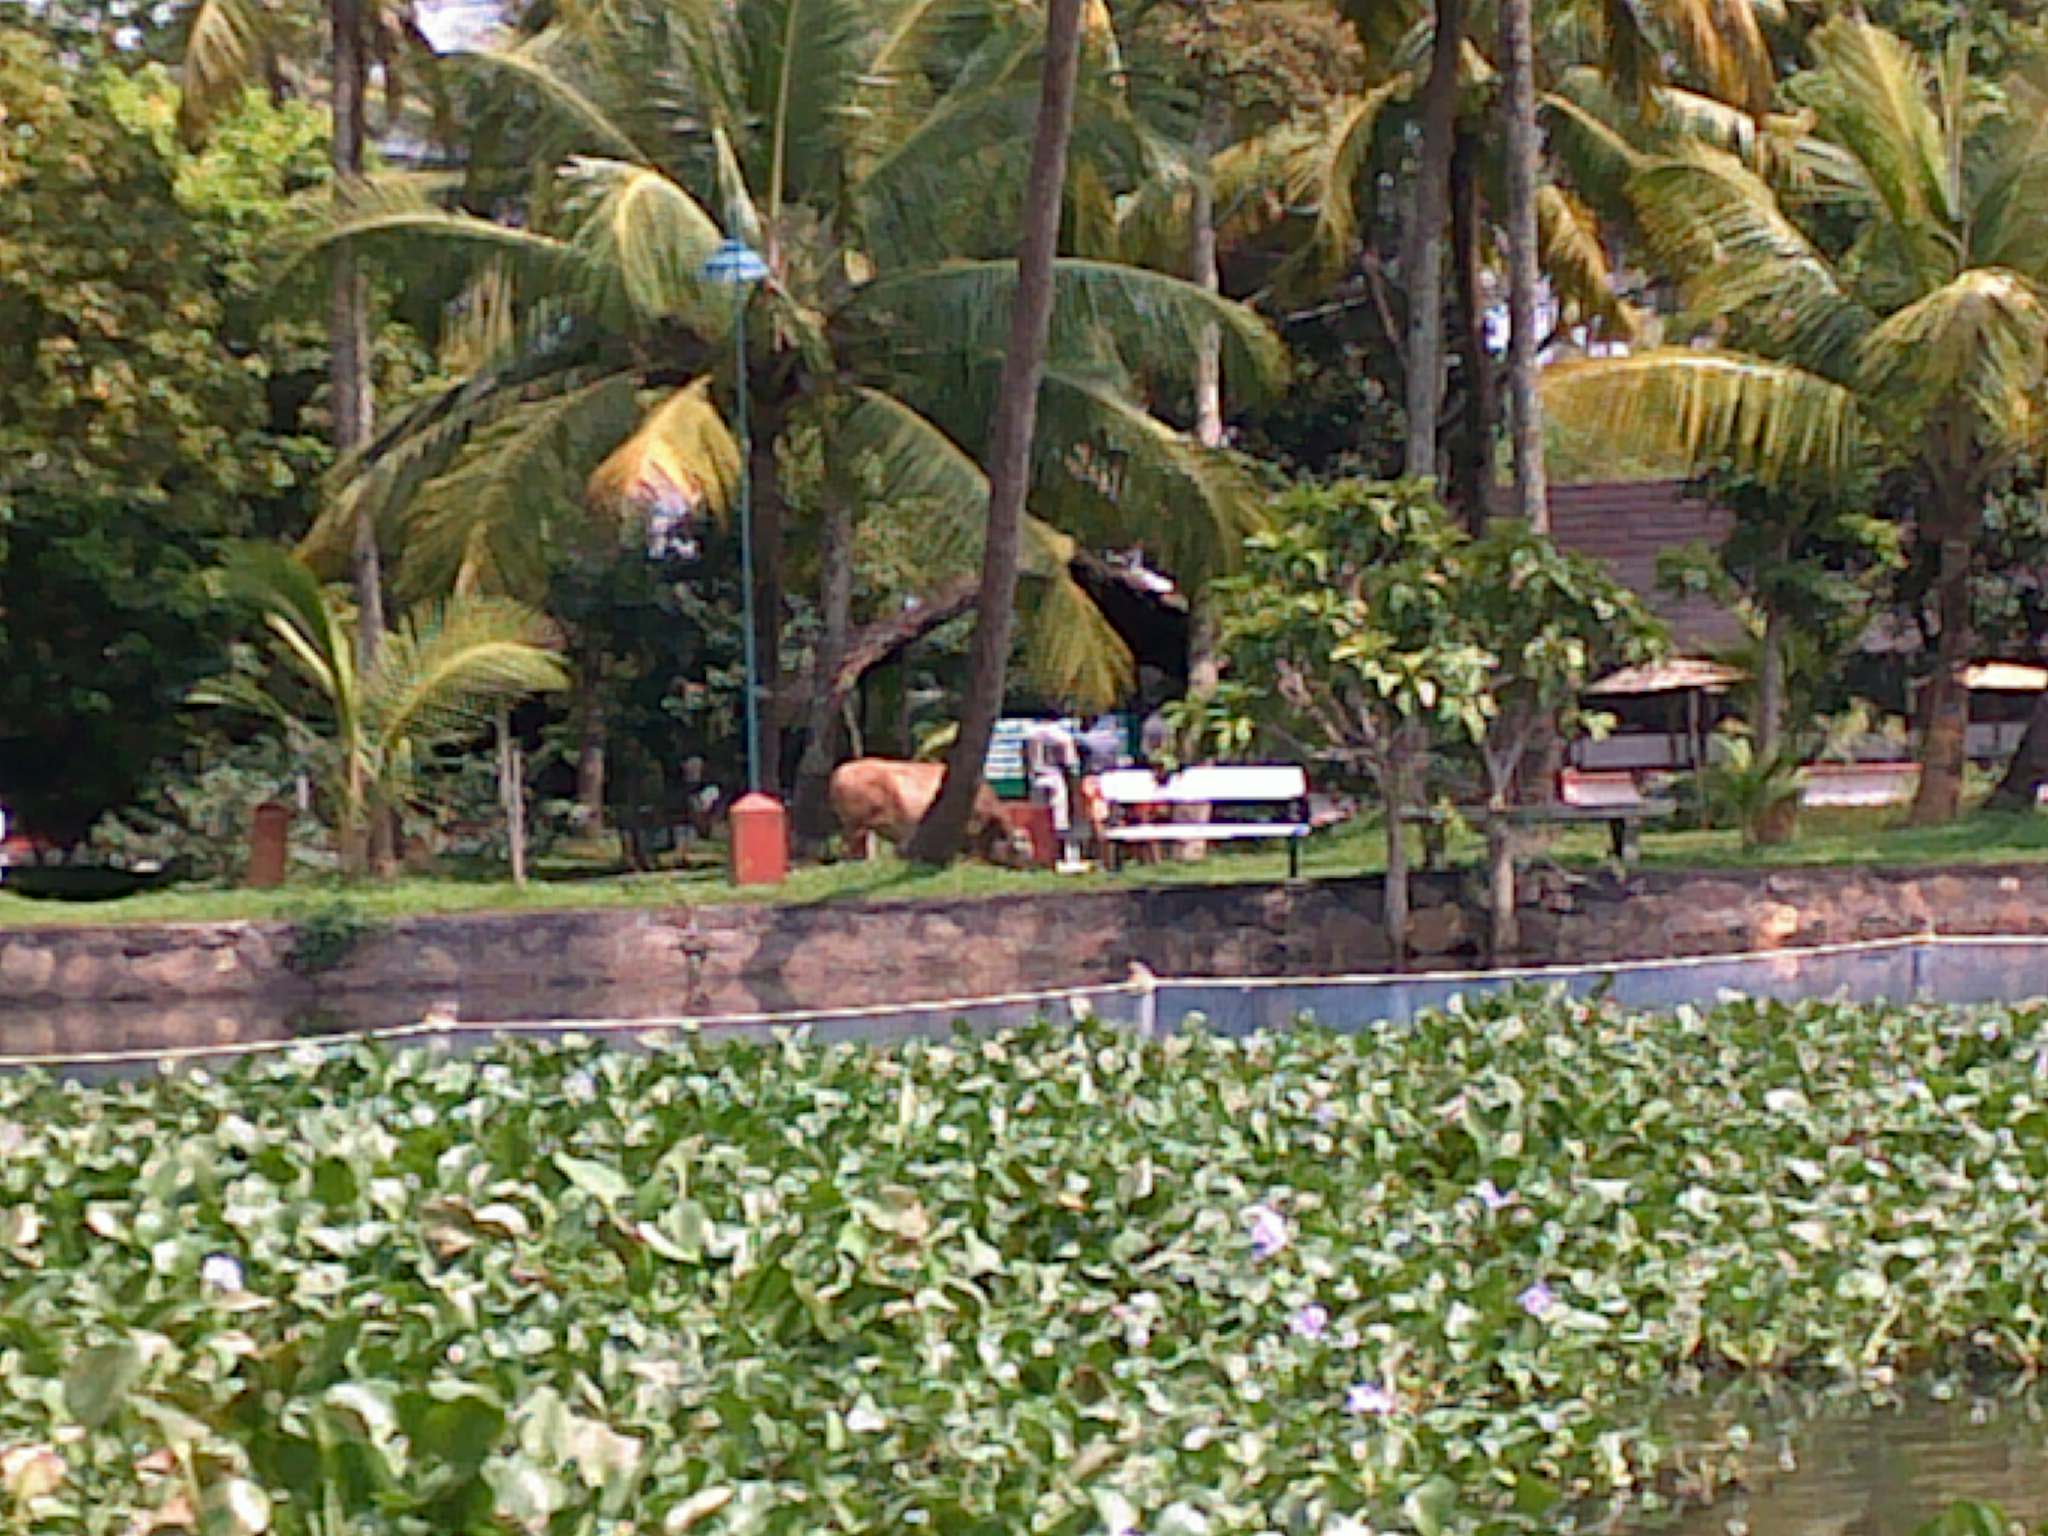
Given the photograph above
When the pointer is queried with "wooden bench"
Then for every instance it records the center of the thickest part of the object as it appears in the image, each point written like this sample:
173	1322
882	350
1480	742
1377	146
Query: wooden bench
1611	799
1128	793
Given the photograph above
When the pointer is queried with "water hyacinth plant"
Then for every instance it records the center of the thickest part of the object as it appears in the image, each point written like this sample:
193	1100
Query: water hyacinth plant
1435	1280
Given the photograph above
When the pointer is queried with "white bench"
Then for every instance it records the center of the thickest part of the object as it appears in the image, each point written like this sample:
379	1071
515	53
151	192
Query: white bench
1127	790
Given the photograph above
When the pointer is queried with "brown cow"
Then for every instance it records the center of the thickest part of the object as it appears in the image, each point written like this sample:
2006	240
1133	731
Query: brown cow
890	796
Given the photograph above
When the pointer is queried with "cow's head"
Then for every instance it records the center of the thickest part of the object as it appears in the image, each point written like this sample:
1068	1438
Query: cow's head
994	839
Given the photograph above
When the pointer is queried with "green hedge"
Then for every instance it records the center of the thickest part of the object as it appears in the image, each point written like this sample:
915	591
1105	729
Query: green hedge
1054	1282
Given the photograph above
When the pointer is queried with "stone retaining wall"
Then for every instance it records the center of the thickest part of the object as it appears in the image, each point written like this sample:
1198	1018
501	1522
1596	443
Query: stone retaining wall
85	989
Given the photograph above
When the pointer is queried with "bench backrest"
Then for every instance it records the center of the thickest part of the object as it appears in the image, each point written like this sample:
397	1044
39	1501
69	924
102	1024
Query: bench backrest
1600	791
1216	784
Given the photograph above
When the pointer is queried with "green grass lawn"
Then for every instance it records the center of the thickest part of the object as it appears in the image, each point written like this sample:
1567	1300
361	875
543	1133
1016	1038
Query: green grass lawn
1826	837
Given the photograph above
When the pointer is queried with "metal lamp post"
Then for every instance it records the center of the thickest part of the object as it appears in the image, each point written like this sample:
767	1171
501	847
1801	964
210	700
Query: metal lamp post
736	265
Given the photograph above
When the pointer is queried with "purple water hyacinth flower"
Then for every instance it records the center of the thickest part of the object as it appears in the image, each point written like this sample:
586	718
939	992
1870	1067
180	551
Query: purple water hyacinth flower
1539	1301
1326	1114
1491	1196
1268	1230
1309	1322
1368	1399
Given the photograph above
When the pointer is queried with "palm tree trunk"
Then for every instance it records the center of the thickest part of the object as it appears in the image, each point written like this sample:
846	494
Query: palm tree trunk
1525	271
1945	708
512	793
590	754
1424	263
1394	792
2020	789
1770	688
810	816
939	836
1472	471
1204	273
1204	665
348	313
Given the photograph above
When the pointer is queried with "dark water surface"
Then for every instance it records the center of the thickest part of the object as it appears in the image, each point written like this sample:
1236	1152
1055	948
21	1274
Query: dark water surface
1883	1471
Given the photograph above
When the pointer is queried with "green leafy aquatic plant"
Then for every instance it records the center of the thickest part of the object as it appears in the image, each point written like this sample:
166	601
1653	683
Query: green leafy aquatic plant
1434	1279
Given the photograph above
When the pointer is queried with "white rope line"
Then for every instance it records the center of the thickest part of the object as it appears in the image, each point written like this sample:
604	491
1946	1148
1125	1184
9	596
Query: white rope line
1142	985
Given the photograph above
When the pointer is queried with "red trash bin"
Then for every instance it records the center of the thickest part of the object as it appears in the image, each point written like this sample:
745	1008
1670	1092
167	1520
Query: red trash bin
760	840
270	826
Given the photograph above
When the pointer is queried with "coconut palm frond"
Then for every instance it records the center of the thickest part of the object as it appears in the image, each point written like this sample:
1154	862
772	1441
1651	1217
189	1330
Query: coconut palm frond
1873	98
538	63
1145	316
1330	177
485	523
681	453
406	205
484	324
1575	260
913	462
1131	478
224	54
306	624
1719	225
643	240
1072	653
1599	159
442	671
1981	338
1775	420
735	197
1724	43
803	64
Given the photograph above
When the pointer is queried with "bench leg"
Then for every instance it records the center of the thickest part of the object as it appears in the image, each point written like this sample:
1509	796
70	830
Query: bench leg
1294	858
1626	836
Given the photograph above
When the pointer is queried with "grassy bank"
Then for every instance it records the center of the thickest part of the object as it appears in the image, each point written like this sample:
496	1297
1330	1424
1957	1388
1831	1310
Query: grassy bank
1055	1282
1827	837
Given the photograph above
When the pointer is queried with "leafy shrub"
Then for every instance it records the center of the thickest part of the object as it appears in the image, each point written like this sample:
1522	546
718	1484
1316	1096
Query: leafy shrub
1068	1282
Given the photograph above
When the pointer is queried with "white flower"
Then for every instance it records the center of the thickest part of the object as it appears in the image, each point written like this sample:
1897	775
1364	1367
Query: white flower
220	1272
1491	1197
864	1418
579	1088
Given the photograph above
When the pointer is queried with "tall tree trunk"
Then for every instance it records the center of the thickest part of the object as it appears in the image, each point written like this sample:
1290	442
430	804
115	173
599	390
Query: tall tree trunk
1205	274
1503	921
1205	668
512	793
767	504
1945	706
2020	789
590	753
1395	793
1472	466
1424	261
939	836
1525	268
348	314
1770	687
810	816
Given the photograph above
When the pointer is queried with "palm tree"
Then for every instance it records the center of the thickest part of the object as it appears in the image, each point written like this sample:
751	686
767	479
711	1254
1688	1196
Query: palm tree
835	139
1878	308
235	44
436	682
939	836
1715	45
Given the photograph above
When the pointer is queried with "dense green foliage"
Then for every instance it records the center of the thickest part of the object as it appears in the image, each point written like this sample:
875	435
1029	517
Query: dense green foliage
146	411
1437	1279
